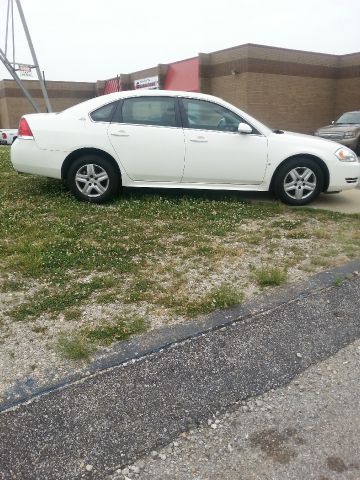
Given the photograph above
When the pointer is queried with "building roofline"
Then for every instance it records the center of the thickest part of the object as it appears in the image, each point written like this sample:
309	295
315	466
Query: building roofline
243	46
150	68
272	47
47	81
183	60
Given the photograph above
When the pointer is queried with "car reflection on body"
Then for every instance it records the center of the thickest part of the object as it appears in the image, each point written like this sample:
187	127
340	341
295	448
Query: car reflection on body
167	139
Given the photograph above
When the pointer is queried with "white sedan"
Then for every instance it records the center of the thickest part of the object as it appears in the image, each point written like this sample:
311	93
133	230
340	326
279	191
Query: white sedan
167	139
7	136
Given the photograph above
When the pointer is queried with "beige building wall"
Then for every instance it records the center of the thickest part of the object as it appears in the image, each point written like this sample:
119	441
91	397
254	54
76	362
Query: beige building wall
286	89
232	88
285	102
292	103
348	84
4	114
347	95
62	95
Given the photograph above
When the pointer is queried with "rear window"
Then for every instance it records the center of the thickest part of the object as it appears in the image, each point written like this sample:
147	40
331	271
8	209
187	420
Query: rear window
158	111
104	113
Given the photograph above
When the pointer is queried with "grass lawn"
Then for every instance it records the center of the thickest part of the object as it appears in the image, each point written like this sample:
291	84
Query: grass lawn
75	275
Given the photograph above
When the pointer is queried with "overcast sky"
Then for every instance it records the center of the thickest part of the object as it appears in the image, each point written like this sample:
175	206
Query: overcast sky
89	40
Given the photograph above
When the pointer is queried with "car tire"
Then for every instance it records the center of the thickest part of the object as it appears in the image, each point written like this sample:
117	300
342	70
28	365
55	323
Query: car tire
298	181
94	179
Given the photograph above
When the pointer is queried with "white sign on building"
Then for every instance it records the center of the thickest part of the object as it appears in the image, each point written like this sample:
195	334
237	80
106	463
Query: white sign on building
25	71
150	83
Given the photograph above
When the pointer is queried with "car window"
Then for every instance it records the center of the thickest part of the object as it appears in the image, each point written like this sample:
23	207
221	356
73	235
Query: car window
104	114
149	111
205	115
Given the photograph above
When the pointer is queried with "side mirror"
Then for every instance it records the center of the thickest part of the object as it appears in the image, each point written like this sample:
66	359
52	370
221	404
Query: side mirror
332	123
244	128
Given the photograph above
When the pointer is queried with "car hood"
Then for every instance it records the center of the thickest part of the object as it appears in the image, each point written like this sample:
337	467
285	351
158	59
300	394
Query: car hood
299	143
303	138
346	127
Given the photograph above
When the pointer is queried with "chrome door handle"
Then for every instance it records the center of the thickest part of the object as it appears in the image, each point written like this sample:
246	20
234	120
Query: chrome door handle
198	140
120	133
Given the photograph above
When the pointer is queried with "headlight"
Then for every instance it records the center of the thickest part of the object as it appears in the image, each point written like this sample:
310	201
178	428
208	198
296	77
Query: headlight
346	155
349	134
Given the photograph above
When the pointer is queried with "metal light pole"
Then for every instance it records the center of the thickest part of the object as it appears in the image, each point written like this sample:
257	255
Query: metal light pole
33	54
11	68
13	73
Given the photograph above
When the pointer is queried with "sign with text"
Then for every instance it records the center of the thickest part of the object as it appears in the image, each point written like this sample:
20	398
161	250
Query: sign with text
150	83
25	71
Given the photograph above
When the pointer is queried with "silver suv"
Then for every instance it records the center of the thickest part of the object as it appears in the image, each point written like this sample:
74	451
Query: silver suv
345	130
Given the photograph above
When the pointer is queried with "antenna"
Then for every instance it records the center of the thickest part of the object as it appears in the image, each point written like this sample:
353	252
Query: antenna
11	65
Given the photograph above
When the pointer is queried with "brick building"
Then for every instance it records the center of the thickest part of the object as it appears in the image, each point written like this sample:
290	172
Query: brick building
288	89
62	95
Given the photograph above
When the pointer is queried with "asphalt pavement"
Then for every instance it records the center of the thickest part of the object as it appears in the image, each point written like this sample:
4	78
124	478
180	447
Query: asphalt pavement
308	429
93	426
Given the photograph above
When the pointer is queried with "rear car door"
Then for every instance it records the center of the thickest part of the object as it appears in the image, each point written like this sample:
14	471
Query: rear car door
147	136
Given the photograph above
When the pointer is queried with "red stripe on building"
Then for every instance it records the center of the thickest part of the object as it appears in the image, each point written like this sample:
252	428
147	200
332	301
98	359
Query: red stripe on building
183	75
112	85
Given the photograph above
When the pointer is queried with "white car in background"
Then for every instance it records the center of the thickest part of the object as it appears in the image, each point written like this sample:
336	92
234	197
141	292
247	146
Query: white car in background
167	139
7	136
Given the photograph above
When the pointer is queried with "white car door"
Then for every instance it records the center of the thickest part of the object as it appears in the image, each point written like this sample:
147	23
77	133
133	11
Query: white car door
148	139
215	151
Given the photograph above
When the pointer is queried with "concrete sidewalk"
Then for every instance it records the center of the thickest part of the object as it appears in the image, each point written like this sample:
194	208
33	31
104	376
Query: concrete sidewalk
113	417
344	202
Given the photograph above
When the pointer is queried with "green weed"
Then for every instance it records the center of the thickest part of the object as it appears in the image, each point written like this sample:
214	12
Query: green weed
270	276
338	281
120	329
73	347
224	296
79	345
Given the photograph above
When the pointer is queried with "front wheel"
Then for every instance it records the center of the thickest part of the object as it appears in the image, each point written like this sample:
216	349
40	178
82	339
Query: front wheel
298	181
93	179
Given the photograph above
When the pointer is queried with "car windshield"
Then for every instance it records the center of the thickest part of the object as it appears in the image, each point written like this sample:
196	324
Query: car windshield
349	117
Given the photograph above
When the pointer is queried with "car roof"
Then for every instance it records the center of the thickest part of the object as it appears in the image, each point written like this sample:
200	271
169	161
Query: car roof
167	93
96	102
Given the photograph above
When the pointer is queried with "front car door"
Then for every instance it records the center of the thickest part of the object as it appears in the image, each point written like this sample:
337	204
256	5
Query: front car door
147	136
216	152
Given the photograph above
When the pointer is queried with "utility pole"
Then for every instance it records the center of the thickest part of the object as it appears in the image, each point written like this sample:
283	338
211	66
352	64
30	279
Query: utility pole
11	65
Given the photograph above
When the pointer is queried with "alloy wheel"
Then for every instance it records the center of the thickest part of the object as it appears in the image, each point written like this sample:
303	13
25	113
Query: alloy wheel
300	183
92	180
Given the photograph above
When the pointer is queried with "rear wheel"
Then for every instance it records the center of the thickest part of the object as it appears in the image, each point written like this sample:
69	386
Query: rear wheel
94	179
299	181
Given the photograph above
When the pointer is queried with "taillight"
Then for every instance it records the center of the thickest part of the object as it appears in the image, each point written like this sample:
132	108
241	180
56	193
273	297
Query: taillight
3	135
24	129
